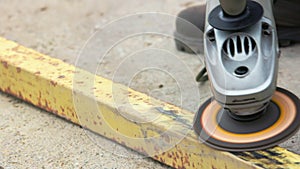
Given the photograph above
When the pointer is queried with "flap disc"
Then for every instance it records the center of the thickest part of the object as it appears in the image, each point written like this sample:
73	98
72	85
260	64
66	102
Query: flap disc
216	127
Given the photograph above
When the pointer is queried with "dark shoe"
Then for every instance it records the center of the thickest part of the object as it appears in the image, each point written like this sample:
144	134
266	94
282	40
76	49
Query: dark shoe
288	35
189	29
286	13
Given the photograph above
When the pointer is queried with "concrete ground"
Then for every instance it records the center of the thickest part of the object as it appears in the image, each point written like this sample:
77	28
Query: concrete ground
32	138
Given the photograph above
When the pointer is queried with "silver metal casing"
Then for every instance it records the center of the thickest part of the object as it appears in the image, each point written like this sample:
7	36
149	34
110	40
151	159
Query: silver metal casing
242	65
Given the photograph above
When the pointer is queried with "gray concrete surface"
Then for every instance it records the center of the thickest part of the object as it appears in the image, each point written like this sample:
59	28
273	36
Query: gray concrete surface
32	138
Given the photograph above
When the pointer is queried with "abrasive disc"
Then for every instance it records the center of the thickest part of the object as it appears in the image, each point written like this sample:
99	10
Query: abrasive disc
216	127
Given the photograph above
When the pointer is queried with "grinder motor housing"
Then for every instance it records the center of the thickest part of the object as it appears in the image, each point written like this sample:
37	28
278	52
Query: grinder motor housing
241	54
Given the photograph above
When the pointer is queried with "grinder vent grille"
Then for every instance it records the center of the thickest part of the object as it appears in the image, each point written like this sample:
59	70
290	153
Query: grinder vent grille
239	45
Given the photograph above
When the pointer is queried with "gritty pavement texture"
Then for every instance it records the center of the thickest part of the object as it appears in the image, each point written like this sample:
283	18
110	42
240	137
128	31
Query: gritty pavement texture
33	138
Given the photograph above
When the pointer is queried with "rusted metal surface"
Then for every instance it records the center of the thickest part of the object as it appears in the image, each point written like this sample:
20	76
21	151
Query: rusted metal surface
166	135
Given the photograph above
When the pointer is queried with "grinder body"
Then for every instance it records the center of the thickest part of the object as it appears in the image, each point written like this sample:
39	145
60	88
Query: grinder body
241	59
247	112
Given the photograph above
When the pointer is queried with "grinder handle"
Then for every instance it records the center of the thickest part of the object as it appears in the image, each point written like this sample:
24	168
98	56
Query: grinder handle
233	7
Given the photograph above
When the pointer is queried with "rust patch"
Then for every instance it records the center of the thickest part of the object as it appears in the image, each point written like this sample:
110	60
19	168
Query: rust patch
54	63
40	58
173	164
161	159
21	50
123	143
185	161
53	83
29	83
4	63
20	95
18	69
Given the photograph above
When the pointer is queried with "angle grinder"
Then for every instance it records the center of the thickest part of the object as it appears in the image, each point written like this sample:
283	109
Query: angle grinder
247	111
